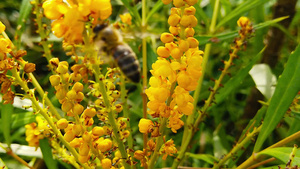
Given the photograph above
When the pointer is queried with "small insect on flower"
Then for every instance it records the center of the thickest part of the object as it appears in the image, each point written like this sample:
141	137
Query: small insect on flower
111	42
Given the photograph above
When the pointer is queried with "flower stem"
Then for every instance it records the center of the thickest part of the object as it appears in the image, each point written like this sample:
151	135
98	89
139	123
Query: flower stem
126	113
237	147
188	127
43	112
253	158
11	153
111	113
144	53
159	140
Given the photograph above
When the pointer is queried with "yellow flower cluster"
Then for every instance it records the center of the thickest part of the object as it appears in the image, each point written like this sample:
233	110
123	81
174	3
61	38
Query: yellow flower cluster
5	65
179	62
36	131
70	16
89	141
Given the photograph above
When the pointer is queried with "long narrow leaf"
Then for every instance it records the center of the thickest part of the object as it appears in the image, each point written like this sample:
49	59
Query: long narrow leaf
132	10
235	81
242	8
205	157
47	154
283	154
25	10
155	8
6	114
203	39
286	89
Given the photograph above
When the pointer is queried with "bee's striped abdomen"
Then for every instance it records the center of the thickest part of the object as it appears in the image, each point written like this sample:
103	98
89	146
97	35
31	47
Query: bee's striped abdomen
127	62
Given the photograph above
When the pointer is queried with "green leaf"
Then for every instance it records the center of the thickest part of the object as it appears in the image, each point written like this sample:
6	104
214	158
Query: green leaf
282	154
203	39
133	12
47	154
151	56
200	14
6	114
22	118
25	10
254	122
205	157
235	81
242	8
286	89
155	8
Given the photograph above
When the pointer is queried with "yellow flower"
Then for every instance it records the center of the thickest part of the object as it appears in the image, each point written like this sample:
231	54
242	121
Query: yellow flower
2	27
101	9
169	149
181	96
145	125
54	9
126	18
106	163
105	145
162	68
174	122
5	45
158	93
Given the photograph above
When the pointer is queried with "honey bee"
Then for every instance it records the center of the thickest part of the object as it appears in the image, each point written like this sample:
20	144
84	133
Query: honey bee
112	44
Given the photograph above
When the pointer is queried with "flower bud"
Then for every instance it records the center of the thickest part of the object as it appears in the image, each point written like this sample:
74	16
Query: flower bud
60	94
90	112
62	123
190	11
77	129
69	136
78	109
29	67
62	68
178	3
106	163
115	94
243	21
193	43
71	94
54	80
174	30
163	52
54	62
84	149
78	87
119	108
76	142
166	37
79	97
86	137
76	77
105	145
66	106
189	32
98	131
173	19
139	154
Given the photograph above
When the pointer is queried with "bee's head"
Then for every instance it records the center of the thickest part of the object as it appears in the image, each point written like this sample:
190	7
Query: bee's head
99	27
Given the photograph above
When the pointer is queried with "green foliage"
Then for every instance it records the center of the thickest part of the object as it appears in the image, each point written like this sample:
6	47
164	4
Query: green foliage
226	124
286	89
